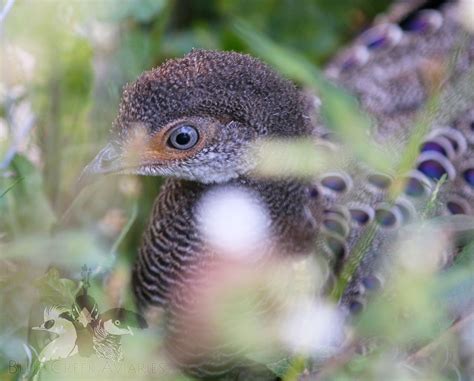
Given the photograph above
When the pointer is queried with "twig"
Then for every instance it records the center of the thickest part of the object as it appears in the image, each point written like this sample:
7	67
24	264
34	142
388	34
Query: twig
332	365
9	188
6	9
428	349
125	230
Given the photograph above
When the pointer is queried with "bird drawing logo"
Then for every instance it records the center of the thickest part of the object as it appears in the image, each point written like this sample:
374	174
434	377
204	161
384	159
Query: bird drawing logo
82	329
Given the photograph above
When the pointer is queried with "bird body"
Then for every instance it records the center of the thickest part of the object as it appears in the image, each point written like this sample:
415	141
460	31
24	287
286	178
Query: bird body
100	333
197	117
64	345
60	348
421	56
83	330
106	345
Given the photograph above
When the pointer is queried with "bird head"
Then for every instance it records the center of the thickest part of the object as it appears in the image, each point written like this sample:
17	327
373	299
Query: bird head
85	309
56	320
196	118
119	321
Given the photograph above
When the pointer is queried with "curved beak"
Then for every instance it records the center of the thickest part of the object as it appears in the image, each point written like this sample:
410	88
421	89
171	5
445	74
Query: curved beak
108	160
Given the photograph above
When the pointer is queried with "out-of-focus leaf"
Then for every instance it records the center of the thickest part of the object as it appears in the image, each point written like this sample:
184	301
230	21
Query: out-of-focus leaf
69	248
455	287
55	290
340	110
406	315
315	28
10	187
25	207
299	158
139	10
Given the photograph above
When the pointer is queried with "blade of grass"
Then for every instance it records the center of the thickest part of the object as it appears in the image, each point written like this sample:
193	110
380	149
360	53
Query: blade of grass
340	110
126	229
11	186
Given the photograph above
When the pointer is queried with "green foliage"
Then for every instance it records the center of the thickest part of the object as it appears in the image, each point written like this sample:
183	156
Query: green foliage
23	205
314	28
340	112
71	61
55	290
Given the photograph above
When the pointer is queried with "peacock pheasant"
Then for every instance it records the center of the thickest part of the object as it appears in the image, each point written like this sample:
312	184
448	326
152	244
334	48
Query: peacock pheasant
200	116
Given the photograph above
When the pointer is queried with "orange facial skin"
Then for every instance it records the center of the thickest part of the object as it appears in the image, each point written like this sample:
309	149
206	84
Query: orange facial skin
157	150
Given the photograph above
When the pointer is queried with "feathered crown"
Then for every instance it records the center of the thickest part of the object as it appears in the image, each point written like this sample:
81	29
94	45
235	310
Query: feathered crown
54	312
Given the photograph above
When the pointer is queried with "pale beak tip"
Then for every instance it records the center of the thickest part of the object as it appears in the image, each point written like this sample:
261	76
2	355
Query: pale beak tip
106	161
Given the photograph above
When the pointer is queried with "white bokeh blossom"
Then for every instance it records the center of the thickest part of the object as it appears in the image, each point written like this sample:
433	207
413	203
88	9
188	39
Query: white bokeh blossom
234	222
466	14
313	328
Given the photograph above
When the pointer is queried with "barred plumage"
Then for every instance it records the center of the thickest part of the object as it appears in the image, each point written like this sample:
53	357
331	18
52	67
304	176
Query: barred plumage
105	345
231	100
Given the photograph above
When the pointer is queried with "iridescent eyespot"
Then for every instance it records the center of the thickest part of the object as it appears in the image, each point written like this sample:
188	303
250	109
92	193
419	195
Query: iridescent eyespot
313	191
433	169
457	141
372	282
382	36
387	217
183	137
336	225
414	187
406	209
379	180
441	145
335	182
417	185
455	207
434	166
337	210
468	176
355	307
361	214
427	20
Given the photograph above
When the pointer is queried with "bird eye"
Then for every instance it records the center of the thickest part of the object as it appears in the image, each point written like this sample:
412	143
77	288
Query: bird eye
117	322
183	137
49	324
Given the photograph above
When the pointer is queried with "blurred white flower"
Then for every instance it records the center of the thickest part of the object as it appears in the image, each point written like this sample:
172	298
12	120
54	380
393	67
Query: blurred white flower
467	337
234	222
130	186
466	13
113	222
19	65
3	130
313	328
425	250
104	35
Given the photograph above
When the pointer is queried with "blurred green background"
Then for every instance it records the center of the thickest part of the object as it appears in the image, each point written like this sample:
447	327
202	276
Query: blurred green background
63	65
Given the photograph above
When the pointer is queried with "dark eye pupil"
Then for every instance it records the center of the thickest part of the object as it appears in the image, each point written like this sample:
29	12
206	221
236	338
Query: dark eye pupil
49	324
183	138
